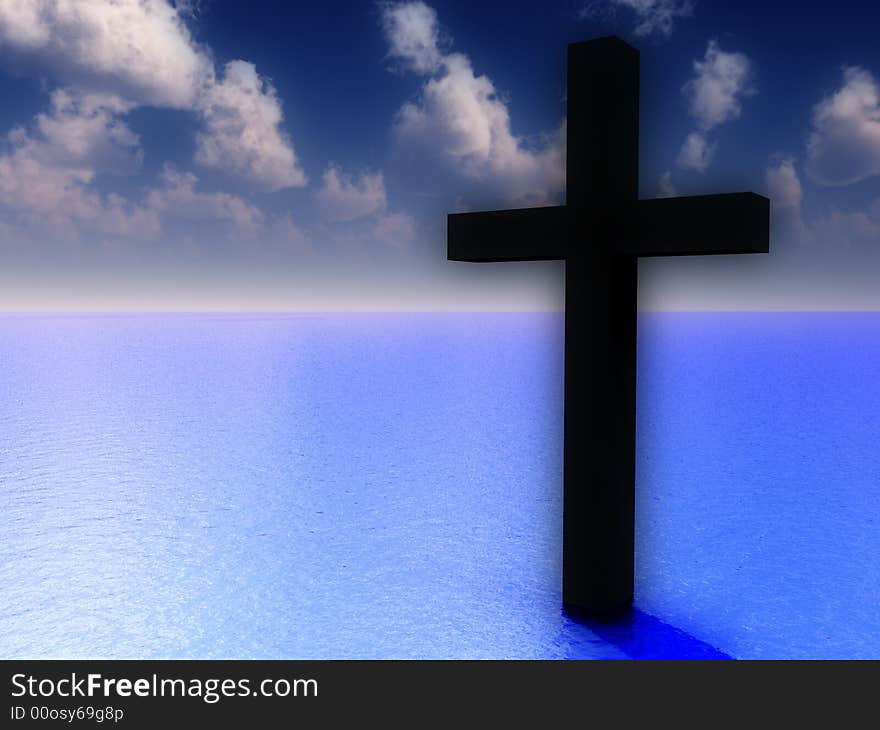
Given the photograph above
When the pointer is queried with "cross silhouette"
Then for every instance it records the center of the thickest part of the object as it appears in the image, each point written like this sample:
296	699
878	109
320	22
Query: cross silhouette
600	233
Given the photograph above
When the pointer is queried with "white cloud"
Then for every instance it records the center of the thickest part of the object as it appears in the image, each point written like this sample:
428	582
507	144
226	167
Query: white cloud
87	129
696	152
344	197
396	229
140	48
715	94
839	228
177	196
242	133
784	185
142	51
282	229
848	228
41	197
413	35
719	83
666	189
657	16
844	146
786	193
460	117
46	174
47	178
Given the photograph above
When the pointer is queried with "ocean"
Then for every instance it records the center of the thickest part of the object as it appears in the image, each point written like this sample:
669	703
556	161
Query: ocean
390	486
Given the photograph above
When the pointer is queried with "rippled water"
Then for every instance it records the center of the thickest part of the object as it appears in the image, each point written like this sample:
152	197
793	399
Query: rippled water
758	481
390	486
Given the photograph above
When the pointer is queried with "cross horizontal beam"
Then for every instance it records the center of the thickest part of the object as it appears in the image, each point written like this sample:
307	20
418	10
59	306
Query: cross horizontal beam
729	223
701	225
527	234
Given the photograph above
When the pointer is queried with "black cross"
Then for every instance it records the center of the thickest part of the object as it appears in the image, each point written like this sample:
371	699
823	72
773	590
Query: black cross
600	234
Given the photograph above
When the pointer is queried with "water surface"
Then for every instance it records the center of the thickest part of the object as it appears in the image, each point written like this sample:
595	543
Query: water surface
336	486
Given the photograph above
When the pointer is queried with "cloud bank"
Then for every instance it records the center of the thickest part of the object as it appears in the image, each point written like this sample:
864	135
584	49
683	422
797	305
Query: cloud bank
126	54
46	172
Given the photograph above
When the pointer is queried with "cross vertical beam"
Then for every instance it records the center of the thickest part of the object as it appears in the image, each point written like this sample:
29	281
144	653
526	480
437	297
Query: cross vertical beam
600	329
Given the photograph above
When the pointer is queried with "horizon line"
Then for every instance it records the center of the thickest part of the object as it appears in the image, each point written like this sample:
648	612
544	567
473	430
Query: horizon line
183	312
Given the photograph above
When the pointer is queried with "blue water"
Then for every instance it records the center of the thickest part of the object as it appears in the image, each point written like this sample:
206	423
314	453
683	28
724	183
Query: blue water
337	486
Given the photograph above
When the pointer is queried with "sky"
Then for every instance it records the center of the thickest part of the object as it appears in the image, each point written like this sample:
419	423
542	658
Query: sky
217	155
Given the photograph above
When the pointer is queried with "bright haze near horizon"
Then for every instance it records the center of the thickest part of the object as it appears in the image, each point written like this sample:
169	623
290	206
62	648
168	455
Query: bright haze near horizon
224	156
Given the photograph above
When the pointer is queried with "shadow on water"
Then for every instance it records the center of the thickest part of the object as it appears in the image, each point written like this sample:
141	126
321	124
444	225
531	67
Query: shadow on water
638	636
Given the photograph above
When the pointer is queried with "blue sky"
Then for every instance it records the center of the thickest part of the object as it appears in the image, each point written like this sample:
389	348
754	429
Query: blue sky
302	156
